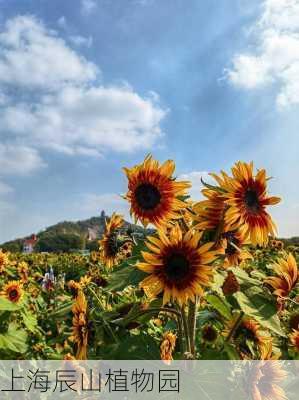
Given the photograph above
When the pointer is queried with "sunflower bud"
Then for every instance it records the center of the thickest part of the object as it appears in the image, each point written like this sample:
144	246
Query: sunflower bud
167	346
230	285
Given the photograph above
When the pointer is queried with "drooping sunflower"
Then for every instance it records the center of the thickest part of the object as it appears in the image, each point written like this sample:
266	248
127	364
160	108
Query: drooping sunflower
80	326
294	338
248	337
287	276
235	253
167	346
109	249
153	192
3	261
13	291
178	266
263	379
246	197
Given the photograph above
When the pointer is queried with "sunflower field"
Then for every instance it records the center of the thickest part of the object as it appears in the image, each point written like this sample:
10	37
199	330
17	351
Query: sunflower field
210	282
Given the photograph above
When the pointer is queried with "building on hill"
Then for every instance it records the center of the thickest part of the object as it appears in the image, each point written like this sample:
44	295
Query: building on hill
93	234
28	244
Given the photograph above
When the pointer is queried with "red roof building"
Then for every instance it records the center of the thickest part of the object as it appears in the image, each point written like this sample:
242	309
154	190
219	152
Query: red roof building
28	245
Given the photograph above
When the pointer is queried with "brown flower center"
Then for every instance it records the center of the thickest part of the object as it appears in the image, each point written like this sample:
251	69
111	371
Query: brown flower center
252	200
209	333
177	267
13	294
147	196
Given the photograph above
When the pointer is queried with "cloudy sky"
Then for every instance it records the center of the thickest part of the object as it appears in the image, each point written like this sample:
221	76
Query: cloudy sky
89	86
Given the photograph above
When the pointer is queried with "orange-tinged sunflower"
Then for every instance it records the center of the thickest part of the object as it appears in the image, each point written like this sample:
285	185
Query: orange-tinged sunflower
246	197
287	276
109	249
13	291
248	337
3	261
263	379
80	326
23	271
294	338
235	254
153	193
178	266
209	214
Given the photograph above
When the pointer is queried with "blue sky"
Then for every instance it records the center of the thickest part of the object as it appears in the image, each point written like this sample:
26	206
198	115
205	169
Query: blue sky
89	86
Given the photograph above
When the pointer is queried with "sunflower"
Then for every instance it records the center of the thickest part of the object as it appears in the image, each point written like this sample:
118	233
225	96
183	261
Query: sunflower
232	242
109	249
13	291
153	193
248	337
262	380
209	333
167	346
3	261
246	198
23	271
84	281
80	326
287	278
178	265
209	214
74	287
294	338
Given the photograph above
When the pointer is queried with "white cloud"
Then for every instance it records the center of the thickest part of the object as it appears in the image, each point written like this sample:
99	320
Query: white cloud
88	6
195	178
19	160
35	57
81	40
275	58
69	111
80	119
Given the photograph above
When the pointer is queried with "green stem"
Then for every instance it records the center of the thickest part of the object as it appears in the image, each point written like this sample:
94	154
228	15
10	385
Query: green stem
186	329
107	325
192	324
180	334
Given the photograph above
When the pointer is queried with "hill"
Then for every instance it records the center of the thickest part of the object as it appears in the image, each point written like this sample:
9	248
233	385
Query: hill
67	235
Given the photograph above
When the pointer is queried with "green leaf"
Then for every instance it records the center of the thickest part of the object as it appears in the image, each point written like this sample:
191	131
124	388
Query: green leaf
231	351
30	321
244	279
124	276
263	310
6	305
61	310
220	305
135	347
14	339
